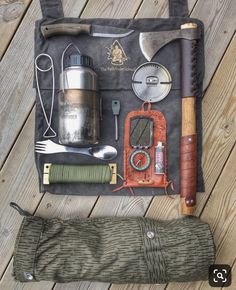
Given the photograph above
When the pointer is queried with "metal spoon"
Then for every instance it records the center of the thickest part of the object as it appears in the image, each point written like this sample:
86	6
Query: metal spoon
104	152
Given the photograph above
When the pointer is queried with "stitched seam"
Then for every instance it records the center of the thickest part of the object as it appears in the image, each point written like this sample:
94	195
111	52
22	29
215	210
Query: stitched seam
34	260
17	247
166	278
140	221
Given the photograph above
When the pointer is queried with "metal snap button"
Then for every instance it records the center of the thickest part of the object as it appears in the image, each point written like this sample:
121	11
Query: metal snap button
28	276
150	235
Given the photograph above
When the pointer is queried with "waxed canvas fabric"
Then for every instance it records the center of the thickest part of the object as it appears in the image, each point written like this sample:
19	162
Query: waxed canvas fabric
115	83
114	250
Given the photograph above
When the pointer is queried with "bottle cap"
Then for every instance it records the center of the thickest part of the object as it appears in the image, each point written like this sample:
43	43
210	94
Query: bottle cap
80	60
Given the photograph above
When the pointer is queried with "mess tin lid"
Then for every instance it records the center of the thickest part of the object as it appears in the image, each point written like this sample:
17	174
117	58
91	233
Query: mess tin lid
151	82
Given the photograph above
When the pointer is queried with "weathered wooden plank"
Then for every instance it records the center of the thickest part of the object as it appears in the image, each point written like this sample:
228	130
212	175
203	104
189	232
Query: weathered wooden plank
83	286
11	13
121	206
220	213
65	207
138	287
158	8
220	22
111	9
16	74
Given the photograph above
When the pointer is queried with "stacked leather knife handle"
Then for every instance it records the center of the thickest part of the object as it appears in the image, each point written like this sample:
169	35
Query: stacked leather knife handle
188	149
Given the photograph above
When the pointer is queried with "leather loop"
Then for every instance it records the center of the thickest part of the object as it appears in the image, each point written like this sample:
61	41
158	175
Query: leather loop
178	8
51	9
149	106
19	209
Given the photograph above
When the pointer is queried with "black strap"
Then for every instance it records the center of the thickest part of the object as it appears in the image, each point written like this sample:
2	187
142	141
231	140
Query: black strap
52	8
178	8
19	209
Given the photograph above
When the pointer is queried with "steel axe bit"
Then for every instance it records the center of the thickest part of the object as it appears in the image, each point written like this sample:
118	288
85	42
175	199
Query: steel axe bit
151	42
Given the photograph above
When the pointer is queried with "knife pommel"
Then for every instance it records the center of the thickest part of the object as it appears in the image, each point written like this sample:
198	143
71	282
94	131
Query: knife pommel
65	29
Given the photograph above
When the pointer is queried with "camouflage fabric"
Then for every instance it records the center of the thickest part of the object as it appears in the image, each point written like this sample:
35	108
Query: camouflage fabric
116	250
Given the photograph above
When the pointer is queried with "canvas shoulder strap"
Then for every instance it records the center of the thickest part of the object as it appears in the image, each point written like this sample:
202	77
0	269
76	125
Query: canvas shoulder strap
178	8
52	8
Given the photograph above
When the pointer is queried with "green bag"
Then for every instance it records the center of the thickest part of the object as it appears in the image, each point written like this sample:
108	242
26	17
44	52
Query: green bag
115	250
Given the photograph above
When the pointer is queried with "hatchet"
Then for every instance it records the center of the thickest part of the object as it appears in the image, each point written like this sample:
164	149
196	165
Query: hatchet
188	147
151	42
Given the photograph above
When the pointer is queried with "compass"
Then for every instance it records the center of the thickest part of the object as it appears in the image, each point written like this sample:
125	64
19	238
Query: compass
151	82
140	160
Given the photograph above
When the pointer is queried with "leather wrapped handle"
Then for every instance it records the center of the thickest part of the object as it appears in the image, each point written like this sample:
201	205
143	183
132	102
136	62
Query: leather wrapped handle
188	150
188	159
65	29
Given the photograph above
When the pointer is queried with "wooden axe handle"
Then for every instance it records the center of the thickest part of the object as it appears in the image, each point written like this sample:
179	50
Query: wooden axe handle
188	149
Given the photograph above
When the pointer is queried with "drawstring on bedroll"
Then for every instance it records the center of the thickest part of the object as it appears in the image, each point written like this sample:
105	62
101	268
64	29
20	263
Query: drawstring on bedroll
171	184
19	209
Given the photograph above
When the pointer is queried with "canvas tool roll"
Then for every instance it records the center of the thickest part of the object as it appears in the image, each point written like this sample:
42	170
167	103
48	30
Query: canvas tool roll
113	250
115	83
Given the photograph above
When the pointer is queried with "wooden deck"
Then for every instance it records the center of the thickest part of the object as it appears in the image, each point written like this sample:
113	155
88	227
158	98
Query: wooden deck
18	181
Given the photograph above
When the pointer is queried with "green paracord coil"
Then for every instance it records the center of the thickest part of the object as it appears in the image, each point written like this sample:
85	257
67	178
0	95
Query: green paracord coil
60	173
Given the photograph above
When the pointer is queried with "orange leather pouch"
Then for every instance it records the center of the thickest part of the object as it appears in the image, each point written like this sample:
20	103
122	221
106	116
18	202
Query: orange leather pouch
145	160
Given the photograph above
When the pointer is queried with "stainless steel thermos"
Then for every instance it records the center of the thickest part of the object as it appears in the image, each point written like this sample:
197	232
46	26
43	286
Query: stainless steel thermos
79	103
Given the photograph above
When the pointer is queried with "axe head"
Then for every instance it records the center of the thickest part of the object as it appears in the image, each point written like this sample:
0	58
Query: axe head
151	42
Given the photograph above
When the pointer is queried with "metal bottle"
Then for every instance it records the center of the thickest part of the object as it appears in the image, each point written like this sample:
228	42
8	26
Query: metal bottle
79	103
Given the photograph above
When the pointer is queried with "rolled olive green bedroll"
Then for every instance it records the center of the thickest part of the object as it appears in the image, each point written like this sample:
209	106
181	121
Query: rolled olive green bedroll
113	249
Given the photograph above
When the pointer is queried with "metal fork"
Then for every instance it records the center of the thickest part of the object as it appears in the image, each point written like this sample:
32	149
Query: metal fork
103	152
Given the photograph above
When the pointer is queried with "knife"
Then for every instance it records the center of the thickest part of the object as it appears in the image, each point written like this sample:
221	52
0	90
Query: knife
50	30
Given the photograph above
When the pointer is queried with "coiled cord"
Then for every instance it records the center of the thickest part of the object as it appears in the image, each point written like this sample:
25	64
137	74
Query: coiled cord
60	173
